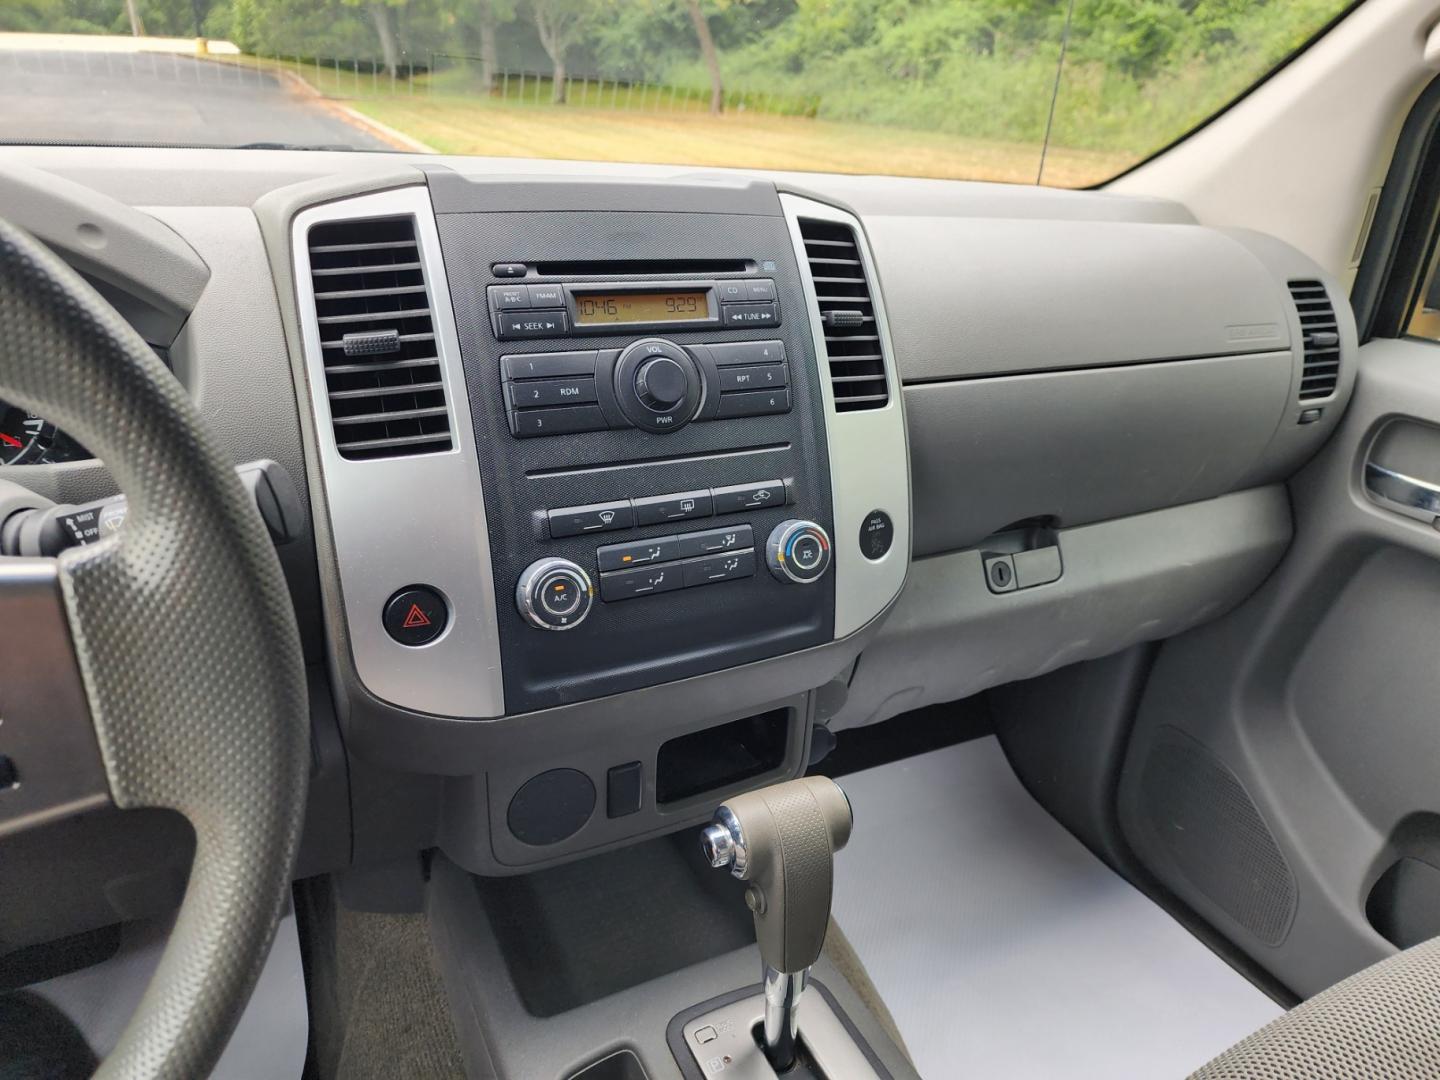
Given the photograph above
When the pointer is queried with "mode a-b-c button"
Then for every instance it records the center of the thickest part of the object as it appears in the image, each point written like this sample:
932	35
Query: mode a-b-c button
416	615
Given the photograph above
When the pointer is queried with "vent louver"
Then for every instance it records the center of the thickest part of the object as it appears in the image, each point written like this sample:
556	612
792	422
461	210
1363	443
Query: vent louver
382	368
1321	340
847	311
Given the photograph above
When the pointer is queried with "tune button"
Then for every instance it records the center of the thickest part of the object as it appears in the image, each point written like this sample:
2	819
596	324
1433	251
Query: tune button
554	594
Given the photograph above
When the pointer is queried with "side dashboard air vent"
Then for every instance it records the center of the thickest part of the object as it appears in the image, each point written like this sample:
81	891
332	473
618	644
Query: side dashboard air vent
1321	338
847	311
382	370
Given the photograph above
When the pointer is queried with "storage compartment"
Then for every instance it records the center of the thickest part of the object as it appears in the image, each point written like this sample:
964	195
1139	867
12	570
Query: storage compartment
722	756
621	1065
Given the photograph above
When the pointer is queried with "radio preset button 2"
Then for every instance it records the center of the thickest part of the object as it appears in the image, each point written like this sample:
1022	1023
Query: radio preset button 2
538	392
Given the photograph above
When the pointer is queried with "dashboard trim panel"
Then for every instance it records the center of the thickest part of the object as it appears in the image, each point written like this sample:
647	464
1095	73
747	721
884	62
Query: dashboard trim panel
390	516
869	454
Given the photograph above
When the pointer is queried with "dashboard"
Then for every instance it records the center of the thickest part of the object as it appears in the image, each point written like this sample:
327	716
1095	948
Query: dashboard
618	481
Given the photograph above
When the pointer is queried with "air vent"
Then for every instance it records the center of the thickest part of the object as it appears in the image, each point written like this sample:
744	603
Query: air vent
852	338
1321	337
382	370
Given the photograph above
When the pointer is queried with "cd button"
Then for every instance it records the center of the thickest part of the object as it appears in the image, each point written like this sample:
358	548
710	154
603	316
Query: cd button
733	291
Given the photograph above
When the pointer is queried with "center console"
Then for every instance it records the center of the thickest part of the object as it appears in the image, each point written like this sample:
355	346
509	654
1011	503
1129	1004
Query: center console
616	469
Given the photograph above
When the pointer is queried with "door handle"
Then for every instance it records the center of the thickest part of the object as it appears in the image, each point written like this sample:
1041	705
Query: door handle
1410	496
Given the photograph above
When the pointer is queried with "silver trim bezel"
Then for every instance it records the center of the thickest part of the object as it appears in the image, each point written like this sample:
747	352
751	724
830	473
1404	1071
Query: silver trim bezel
417	519
869	454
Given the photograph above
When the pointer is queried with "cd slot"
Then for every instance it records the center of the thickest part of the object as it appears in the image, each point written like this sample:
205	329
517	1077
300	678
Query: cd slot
631	267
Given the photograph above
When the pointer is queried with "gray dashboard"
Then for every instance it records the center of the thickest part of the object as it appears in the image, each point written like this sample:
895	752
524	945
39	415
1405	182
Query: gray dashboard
1092	393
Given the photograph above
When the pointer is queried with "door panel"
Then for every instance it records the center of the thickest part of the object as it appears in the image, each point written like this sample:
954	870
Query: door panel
1287	755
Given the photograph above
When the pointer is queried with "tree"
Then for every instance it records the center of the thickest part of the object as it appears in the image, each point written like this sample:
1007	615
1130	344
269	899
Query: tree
561	25
383	20
137	28
707	51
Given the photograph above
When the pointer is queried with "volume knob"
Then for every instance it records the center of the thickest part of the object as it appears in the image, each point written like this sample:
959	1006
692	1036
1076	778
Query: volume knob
661	384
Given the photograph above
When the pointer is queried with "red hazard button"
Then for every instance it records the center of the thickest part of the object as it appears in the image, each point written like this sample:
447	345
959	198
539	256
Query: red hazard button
416	615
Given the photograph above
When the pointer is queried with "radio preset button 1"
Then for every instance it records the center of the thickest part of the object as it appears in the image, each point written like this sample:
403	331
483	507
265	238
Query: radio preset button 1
509	297
638	553
532	423
726	353
753	403
538	392
762	377
642	581
742	497
750	315
598	517
713	540
726	566
531	324
661	508
549	365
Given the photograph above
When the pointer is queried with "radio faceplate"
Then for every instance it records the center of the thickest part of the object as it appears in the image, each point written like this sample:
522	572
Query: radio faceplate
639	635
557	308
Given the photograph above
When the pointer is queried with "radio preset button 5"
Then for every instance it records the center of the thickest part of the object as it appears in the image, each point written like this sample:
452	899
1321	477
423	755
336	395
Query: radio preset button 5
762	377
598	517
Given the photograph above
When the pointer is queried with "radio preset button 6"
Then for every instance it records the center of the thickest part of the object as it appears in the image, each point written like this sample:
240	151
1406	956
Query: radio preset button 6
537	392
532	423
742	497
753	403
598	517
661	508
750	315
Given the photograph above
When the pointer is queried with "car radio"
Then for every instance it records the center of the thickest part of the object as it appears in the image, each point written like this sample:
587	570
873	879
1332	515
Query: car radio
582	309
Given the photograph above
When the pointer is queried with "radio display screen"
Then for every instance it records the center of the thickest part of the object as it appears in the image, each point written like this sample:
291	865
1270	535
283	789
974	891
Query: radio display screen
641	307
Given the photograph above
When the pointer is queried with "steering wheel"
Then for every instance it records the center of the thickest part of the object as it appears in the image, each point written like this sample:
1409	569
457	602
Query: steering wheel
158	667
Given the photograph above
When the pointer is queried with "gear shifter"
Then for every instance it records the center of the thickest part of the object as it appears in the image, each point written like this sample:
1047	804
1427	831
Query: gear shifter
782	840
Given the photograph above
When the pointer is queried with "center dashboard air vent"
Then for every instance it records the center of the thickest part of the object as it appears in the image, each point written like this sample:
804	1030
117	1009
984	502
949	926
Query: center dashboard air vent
382	371
1321	339
847	312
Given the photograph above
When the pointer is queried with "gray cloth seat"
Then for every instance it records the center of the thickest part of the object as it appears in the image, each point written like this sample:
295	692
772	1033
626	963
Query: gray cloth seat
1382	1023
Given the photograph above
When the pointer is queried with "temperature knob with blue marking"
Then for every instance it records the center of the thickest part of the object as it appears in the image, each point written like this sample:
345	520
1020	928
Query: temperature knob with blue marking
798	552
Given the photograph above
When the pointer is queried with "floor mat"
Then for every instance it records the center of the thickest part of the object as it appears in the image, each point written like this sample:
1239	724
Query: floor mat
1003	948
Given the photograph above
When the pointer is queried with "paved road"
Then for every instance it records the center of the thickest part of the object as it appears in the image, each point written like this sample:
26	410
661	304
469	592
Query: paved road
158	98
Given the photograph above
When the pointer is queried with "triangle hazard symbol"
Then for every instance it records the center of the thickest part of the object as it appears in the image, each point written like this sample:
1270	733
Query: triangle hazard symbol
415	617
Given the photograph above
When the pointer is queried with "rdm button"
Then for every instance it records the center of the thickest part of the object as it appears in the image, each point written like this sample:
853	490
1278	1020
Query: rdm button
416	616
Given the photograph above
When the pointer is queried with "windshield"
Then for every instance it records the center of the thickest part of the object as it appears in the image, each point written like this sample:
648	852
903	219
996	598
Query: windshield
1061	92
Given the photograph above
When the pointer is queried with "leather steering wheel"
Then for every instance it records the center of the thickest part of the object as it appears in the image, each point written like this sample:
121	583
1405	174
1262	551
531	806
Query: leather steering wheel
158	667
